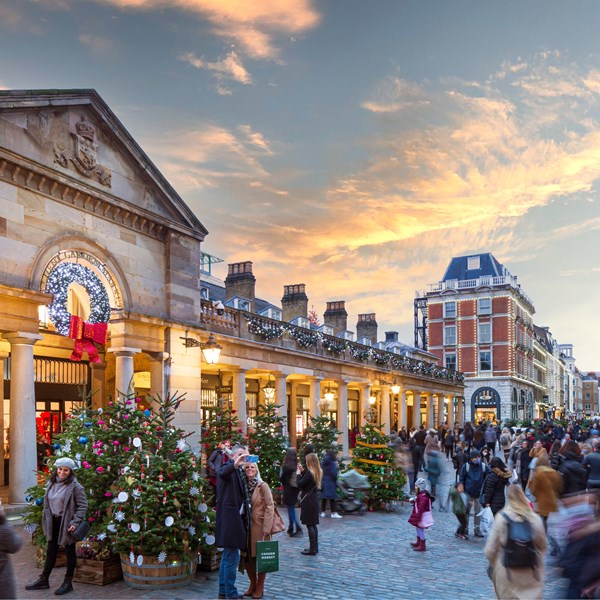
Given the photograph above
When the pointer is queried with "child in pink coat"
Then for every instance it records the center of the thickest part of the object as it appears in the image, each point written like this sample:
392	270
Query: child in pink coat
421	516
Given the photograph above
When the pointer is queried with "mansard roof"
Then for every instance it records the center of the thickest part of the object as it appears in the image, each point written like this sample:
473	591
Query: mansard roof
169	205
488	266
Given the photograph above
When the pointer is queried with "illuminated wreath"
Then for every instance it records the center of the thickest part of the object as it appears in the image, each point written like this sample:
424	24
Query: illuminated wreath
58	285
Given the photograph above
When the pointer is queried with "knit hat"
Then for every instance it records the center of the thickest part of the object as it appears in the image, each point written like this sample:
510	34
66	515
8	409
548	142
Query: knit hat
421	483
65	462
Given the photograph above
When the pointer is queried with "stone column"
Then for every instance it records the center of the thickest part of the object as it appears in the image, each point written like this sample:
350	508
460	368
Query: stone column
293	411
429	410
98	384
23	453
385	409
238	393
315	395
123	369
402	409
3	357
450	417
157	373
460	409
363	403
416	416
281	400
440	411
342	414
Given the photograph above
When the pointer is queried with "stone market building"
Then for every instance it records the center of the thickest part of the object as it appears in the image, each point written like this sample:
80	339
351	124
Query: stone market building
101	286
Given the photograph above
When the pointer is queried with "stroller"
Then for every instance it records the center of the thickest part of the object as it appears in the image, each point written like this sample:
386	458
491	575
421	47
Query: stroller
351	487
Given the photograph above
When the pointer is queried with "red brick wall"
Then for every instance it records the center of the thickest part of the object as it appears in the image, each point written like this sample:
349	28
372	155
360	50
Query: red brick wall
436	310
466	332
436	334
466	308
500	329
467	360
500	355
500	305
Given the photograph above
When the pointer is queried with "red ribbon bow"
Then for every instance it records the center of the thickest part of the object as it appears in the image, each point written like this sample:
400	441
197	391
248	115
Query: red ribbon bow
85	335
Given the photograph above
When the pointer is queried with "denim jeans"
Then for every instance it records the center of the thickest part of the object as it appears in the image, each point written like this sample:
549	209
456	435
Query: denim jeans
293	518
230	559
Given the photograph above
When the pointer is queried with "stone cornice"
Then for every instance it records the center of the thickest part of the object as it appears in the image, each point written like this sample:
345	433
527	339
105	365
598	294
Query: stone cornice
52	184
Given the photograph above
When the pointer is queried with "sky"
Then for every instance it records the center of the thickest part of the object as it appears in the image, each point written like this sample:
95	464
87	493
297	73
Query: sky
356	146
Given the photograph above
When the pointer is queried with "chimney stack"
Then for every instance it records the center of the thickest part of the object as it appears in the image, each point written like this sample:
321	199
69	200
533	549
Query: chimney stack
336	316
367	327
294	302
241	282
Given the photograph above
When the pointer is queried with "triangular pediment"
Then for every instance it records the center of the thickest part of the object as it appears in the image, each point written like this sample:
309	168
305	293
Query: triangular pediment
75	134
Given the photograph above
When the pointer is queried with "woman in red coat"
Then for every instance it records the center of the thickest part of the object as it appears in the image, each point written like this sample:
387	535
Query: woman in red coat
421	516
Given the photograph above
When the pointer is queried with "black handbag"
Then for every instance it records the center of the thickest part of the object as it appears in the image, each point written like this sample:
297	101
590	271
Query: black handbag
82	530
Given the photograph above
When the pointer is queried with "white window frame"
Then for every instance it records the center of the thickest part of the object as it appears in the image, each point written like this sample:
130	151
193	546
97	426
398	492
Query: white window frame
447	342
447	314
448	355
484	311
473	263
480	336
479	361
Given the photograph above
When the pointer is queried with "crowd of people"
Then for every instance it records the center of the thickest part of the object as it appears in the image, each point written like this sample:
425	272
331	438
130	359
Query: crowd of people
537	488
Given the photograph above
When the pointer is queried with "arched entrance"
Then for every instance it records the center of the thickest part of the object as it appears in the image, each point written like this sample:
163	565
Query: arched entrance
485	405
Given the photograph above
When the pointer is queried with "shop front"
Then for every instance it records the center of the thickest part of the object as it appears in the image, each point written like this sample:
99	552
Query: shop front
485	405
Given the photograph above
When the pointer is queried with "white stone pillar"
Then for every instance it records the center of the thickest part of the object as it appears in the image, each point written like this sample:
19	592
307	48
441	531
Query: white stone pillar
429	413
123	369
314	395
440	409
3	357
402	409
416	415
385	409
460	409
451	415
23	449
342	414
238	393
365	394
281	400
293	412
98	384
157	373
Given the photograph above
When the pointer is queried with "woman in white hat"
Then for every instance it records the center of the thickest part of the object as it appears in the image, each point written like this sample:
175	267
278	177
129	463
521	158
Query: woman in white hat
65	506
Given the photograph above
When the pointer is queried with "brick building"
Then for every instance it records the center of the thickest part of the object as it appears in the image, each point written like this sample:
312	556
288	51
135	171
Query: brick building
478	320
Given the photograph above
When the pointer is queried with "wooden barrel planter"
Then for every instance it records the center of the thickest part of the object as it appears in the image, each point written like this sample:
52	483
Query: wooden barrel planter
153	575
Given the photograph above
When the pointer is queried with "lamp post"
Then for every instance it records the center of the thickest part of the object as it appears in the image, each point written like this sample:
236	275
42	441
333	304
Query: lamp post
211	350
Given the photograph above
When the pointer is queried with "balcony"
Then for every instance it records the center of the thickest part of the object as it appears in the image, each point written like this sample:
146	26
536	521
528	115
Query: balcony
472	284
248	326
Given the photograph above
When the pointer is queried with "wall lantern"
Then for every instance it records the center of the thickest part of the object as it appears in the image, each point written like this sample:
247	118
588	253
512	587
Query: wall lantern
211	350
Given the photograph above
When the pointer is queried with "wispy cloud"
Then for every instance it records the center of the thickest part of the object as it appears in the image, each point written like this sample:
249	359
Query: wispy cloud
230	67
12	19
253	26
98	45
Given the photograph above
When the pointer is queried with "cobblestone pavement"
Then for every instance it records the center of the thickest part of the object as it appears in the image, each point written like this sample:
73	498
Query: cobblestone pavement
360	557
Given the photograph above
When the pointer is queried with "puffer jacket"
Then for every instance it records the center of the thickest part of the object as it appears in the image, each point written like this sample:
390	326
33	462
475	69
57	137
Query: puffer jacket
493	488
592	463
574	474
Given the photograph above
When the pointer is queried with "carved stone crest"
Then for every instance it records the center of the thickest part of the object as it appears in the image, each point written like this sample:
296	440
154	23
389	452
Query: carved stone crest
83	156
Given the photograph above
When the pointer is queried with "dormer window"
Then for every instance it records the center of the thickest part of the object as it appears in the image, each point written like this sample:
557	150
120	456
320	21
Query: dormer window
204	293
473	263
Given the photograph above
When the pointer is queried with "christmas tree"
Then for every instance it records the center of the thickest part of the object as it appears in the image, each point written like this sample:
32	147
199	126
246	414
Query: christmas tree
373	457
268	441
159	506
221	426
322	436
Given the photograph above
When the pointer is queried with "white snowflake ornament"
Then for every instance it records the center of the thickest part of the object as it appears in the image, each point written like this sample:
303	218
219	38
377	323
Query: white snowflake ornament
181	445
162	556
194	491
120	516
132	558
192	530
30	528
195	476
136	493
102	536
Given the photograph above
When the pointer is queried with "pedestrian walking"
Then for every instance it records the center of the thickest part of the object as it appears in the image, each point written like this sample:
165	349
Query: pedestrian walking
490	439
233	519
574	474
434	470
64	509
329	467
263	512
472	476
546	486
505	441
449	445
432	443
419	448
458	460
515	549
494	486
309	482
459	508
289	481
10	542
421	516
592	463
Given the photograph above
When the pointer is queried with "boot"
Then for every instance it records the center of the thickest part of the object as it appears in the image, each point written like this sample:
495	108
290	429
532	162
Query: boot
290	531
252	577
312	540
421	547
65	588
40	584
260	585
416	542
297	532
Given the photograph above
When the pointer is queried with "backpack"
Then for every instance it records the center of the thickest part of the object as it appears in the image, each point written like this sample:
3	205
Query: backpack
504	441
519	551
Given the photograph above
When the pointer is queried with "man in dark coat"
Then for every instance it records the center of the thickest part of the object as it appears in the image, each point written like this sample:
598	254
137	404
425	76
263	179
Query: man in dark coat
233	519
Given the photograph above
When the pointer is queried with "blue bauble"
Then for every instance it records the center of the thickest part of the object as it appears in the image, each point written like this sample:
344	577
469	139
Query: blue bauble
83	440
28	498
56	446
39	501
88	424
147	413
